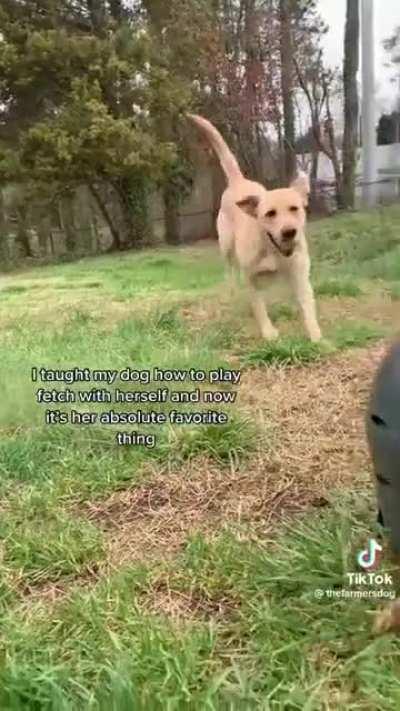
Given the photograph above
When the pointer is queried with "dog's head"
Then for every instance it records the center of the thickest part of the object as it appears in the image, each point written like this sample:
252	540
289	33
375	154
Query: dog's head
281	213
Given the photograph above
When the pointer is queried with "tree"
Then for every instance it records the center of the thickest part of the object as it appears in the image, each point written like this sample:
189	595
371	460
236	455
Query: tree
94	91
351	109
182	30
241	89
286	56
319	85
80	90
309	74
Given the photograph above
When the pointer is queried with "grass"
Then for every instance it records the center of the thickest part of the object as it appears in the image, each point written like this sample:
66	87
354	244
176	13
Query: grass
287	351
183	576
337	287
236	645
55	547
226	443
282	312
300	351
394	291
356	335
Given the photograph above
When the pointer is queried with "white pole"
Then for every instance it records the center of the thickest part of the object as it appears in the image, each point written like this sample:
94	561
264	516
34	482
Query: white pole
368	101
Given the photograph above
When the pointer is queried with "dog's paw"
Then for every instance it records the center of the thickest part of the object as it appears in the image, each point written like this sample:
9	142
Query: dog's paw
270	334
325	346
388	619
315	336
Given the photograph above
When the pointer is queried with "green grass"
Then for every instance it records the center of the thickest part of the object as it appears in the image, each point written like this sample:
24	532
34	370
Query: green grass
42	540
101	648
350	243
52	548
337	287
301	351
287	351
225	443
394	291
125	276
15	289
356	334
251	632
282	312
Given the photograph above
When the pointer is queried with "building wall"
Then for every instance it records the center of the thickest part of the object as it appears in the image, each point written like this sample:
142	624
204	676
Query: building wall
76	223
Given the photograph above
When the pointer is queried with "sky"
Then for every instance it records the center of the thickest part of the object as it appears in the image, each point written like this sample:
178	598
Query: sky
387	17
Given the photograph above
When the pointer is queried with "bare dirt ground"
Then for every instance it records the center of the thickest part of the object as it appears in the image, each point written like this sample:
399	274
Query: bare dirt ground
318	415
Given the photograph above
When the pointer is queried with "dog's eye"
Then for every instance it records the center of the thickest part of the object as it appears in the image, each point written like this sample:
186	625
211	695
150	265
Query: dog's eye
270	213
293	208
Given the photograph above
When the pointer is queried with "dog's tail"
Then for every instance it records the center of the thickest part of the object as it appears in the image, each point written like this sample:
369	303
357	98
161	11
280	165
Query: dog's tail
229	164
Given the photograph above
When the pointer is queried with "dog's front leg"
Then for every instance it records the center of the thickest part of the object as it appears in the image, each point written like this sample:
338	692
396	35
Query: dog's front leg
304	295
267	329
232	277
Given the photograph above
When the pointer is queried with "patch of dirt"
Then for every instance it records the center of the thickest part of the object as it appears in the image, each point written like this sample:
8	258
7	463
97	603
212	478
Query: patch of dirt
320	412
318	432
153	521
375	308
163	598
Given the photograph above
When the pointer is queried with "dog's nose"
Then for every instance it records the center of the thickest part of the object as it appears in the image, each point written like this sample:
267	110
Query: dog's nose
289	234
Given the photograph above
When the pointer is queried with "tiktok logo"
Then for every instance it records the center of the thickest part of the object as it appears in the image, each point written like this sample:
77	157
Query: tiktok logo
367	558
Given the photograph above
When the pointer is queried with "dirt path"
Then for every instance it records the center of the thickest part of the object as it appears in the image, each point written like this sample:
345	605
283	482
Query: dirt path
318	443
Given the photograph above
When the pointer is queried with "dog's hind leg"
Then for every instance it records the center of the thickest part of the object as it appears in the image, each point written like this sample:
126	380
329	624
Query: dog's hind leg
227	248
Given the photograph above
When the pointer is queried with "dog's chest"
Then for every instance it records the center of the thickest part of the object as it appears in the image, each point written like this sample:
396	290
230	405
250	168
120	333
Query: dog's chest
266	262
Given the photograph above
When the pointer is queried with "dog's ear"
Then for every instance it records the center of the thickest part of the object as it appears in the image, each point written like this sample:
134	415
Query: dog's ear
302	185
249	205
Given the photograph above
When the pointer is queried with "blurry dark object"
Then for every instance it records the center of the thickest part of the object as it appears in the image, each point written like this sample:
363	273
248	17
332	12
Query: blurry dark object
383	431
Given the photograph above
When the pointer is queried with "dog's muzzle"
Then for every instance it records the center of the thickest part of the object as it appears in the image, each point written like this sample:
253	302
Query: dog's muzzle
287	246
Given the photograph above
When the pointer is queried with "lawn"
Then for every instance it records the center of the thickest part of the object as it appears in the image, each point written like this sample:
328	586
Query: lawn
187	575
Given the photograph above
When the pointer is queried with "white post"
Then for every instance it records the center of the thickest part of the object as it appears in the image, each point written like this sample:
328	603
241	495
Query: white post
398	111
368	102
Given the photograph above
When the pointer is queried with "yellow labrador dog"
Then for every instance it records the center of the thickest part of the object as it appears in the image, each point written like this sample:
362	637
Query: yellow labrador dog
261	232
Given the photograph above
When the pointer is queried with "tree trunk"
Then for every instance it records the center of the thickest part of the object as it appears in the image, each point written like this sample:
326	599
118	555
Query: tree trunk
67	211
172	231
335	160
159	12
281	167
4	250
133	202
314	178
23	231
116	243
350	69
250	42
286	52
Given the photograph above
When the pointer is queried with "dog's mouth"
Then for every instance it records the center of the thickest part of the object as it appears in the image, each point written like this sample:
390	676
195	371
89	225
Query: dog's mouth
285	249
